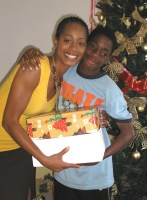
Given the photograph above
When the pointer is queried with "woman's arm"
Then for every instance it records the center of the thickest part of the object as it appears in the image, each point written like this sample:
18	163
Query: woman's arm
19	96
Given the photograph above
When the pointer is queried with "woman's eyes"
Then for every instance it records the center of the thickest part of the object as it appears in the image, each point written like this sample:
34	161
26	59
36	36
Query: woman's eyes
78	43
67	40
82	44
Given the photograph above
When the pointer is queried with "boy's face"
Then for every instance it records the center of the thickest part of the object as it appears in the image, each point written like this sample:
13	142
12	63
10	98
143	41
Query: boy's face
97	54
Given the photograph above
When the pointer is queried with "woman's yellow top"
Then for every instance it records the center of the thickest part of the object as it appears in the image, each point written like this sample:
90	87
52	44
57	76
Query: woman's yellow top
38	103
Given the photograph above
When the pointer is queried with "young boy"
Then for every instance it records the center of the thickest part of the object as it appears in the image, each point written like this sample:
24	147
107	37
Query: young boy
85	85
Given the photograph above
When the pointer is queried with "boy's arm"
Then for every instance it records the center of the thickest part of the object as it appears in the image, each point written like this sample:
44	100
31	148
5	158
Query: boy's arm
124	138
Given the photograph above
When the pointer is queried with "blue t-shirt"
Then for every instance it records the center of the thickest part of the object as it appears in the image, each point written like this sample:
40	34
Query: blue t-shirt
100	90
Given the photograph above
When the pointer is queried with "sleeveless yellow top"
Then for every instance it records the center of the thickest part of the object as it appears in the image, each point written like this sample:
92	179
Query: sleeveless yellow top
38	103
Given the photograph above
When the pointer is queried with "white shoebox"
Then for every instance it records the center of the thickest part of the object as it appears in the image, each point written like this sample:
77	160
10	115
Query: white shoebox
85	148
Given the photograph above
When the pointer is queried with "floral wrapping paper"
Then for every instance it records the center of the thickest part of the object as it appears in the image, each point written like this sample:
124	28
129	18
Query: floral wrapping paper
62	124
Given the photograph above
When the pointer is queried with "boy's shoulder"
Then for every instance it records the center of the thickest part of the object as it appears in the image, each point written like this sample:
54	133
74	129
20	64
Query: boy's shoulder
70	71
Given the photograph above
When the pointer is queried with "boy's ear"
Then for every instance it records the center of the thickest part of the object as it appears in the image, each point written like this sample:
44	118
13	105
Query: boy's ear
107	61
110	57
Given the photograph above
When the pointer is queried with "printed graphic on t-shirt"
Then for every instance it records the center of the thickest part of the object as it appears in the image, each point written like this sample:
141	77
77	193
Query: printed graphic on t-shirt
73	98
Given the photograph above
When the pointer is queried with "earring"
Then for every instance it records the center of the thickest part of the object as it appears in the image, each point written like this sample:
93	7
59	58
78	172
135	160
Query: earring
53	50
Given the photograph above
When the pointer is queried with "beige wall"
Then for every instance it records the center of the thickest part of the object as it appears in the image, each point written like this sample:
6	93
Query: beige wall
31	22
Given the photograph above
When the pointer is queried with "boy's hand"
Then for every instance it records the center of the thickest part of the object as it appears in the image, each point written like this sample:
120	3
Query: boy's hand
104	119
31	59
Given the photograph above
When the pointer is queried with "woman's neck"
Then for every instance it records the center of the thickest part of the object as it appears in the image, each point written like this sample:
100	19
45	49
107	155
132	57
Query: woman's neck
57	75
60	67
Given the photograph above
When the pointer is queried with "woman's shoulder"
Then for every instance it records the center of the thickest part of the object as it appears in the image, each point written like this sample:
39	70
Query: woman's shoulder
45	64
45	69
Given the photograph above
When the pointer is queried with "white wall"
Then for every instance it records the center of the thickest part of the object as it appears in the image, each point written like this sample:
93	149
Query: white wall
31	22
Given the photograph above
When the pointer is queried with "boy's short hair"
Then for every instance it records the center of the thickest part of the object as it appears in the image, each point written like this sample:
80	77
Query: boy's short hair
100	30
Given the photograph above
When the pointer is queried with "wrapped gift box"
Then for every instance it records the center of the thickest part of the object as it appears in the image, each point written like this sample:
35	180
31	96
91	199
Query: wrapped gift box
61	124
78	129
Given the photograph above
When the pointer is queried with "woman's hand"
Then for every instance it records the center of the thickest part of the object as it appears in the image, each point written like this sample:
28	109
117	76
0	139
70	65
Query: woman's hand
31	59
56	163
104	119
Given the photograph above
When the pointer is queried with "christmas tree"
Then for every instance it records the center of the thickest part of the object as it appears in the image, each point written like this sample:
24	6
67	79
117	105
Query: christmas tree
128	68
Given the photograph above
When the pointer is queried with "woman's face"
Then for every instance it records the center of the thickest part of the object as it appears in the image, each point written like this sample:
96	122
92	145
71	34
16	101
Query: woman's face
71	45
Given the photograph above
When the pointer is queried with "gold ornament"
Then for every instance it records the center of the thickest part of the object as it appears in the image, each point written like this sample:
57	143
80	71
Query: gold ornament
140	109
138	41
125	20
141	8
140	133
124	61
40	197
139	102
120	7
114	191
137	125
144	46
144	144
134	22
136	155
101	17
113	69
145	5
145	73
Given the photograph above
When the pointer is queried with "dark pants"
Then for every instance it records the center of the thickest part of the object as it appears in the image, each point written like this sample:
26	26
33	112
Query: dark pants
62	192
17	175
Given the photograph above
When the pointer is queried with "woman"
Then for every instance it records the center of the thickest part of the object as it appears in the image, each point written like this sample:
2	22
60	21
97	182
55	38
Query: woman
23	95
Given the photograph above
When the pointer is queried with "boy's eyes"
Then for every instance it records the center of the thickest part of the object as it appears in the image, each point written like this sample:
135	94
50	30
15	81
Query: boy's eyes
91	45
101	52
104	54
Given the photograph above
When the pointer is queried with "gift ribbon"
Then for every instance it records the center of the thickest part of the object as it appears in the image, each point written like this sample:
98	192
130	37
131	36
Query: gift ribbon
139	86
125	43
143	29
130	44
